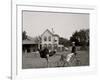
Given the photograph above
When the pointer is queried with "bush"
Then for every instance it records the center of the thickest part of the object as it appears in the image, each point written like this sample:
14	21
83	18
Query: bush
84	48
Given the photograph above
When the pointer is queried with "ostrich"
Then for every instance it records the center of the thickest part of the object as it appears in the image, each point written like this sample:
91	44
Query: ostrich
46	54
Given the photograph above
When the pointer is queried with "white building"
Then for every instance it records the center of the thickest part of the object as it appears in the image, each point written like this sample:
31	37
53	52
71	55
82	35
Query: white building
49	40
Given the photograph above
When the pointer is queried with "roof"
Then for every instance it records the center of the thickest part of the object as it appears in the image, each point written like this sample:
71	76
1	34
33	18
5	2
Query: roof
50	33
29	42
60	45
56	35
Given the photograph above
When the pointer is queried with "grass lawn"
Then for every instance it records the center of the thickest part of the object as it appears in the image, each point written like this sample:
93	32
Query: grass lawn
33	60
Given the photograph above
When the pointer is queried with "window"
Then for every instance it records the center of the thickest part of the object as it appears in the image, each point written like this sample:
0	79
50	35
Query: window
55	40
50	46
45	38
49	38
55	46
45	45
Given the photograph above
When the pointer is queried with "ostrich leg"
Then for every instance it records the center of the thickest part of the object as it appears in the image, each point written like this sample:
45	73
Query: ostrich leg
47	58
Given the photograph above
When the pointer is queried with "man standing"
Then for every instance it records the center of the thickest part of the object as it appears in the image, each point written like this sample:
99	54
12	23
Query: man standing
76	59
73	48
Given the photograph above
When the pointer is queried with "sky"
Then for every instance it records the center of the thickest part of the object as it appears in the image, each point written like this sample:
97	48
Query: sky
63	24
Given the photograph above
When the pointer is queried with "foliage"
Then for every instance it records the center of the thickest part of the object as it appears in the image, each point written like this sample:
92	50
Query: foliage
81	38
24	36
37	39
64	41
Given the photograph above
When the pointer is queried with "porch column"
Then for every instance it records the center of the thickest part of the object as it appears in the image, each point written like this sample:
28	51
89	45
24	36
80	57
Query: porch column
31	49
25	51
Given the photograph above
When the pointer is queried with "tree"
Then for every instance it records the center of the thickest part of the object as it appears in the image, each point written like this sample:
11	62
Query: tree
38	40
75	38
64	41
24	36
81	37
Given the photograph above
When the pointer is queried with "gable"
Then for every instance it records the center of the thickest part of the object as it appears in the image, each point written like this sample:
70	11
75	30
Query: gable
47	32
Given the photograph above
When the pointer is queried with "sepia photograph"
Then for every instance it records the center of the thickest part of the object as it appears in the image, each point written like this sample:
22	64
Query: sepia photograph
55	39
